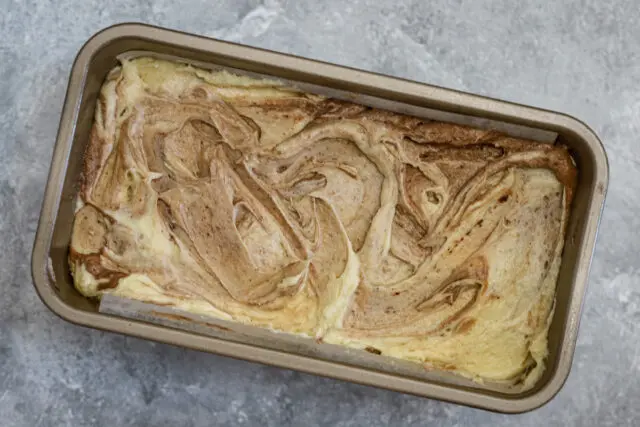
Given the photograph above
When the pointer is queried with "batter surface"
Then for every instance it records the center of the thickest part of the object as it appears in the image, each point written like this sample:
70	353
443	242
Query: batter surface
250	201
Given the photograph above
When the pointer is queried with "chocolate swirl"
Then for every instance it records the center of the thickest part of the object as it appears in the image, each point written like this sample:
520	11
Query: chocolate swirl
247	200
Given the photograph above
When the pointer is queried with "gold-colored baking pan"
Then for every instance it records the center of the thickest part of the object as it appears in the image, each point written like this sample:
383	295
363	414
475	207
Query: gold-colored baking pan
100	54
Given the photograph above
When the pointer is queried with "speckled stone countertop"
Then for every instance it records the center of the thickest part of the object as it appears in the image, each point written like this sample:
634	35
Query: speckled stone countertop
579	57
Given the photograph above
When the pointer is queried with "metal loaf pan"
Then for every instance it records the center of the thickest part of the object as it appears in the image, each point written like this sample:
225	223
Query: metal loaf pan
99	55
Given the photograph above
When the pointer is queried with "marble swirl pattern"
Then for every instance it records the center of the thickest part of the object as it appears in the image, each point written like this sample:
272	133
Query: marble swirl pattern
247	200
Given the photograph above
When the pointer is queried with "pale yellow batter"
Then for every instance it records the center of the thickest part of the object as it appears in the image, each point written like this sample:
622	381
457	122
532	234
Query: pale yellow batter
246	200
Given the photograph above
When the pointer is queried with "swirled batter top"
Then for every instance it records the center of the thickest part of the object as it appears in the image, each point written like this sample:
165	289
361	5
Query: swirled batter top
250	201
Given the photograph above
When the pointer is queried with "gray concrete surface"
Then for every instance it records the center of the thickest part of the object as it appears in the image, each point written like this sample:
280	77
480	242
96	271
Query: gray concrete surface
580	57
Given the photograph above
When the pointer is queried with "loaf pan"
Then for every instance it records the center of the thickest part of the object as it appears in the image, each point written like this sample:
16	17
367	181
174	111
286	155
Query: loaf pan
100	54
